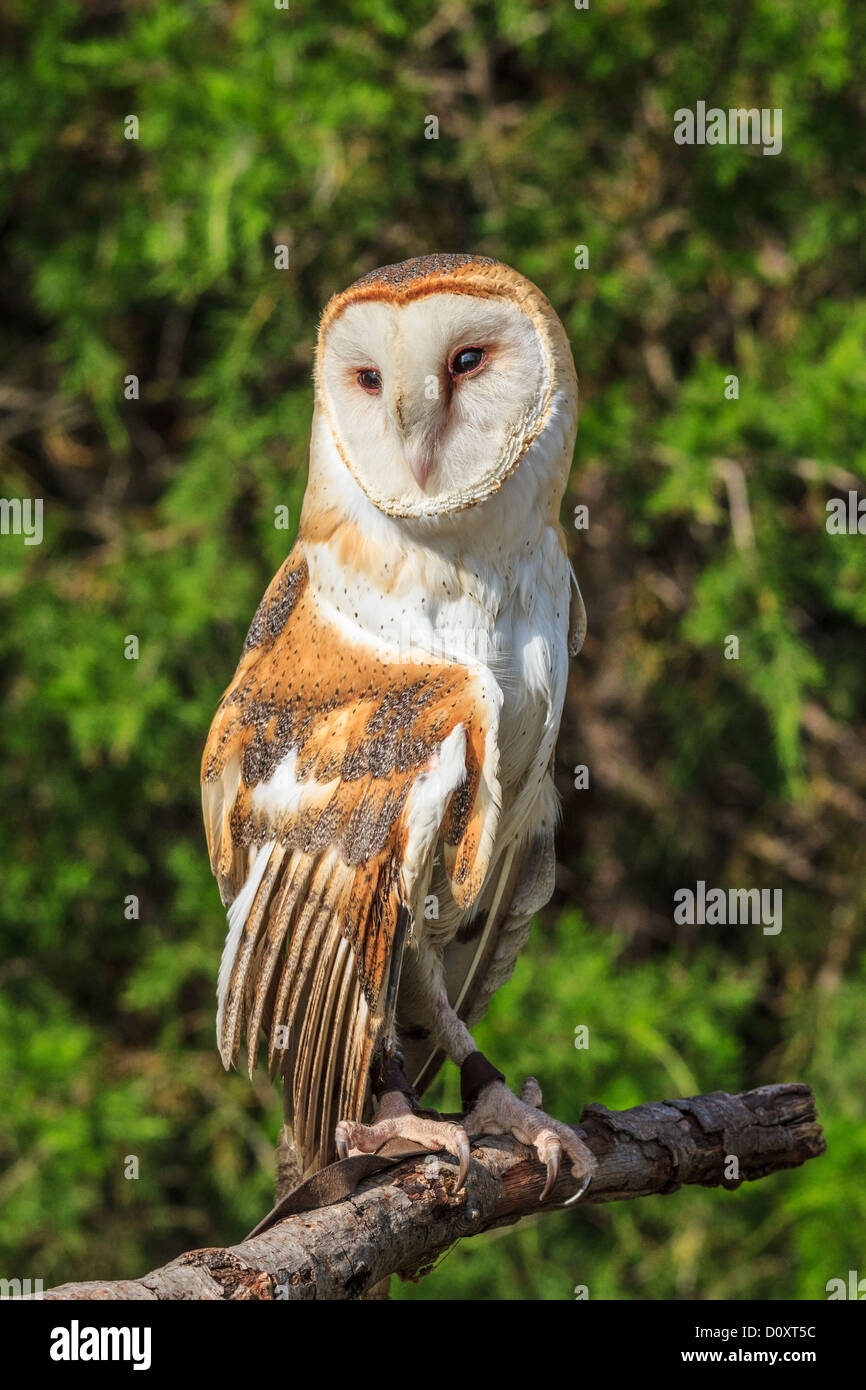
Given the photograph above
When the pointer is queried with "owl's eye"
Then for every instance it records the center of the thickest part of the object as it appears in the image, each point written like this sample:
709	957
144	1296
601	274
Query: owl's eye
369	380
467	360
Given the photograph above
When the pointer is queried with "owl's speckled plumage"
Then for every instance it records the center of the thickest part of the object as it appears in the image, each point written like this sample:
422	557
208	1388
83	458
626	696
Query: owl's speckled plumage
387	740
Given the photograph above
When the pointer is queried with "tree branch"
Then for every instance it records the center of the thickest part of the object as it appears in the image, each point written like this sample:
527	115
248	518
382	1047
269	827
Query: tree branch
401	1219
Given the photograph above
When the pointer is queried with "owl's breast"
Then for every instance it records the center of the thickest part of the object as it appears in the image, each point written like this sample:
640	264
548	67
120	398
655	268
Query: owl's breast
505	608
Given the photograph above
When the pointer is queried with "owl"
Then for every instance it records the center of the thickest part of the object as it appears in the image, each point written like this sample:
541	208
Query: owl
377	783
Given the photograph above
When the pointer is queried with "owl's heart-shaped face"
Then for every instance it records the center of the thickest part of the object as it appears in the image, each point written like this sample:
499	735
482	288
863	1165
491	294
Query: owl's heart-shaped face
433	400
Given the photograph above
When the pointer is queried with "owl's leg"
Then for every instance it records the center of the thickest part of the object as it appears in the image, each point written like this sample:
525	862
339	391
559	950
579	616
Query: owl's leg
491	1108
398	1117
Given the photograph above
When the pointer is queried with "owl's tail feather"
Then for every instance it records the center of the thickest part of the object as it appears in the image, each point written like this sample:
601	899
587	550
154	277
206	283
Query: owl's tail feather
306	958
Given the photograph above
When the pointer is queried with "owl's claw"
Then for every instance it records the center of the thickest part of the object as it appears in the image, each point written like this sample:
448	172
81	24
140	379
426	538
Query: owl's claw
463	1156
552	1172
498	1111
576	1196
396	1120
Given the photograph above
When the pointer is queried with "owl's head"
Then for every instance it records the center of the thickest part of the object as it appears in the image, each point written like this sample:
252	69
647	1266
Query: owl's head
437	376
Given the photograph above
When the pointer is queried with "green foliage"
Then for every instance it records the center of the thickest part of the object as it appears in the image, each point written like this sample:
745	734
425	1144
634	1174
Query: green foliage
155	257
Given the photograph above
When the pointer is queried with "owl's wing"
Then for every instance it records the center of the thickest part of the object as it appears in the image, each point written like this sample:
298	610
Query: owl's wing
576	616
330	771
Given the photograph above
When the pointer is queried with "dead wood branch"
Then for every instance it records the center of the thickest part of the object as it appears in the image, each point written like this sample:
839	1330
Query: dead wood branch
401	1219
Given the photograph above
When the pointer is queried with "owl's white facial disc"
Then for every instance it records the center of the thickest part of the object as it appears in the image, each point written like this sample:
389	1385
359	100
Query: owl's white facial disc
434	402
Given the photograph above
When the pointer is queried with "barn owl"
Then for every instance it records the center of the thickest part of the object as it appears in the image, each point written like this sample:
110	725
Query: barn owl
377	783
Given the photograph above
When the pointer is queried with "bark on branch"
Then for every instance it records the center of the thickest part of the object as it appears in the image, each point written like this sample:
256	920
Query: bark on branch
401	1219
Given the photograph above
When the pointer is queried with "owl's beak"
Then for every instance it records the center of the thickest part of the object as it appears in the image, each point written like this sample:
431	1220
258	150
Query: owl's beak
421	462
419	434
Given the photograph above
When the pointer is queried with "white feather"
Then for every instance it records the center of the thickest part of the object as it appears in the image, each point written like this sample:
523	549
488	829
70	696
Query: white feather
237	916
426	806
283	792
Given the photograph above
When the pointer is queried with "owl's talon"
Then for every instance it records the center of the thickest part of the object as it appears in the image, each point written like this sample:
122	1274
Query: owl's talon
395	1119
499	1111
552	1173
463	1152
576	1196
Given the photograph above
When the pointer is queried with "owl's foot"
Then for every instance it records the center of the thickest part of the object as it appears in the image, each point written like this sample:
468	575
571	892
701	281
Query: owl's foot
395	1119
498	1111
